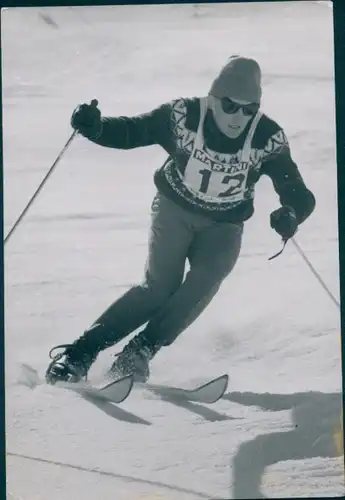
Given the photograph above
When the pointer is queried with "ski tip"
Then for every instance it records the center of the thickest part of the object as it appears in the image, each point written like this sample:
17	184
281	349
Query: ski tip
206	391
223	378
28	376
29	368
128	378
125	382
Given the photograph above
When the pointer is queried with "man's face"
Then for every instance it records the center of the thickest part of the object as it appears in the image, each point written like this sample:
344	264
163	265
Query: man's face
229	117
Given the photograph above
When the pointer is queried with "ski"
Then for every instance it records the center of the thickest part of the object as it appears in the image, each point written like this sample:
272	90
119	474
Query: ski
208	393
113	392
118	390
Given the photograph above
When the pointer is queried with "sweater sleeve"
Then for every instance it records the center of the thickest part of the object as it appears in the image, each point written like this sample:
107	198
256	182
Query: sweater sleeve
125	132
286	177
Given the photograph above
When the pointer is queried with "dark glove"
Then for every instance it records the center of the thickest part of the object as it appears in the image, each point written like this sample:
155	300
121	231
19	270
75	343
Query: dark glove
86	118
284	222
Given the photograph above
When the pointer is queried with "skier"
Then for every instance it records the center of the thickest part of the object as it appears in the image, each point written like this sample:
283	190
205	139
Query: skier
218	147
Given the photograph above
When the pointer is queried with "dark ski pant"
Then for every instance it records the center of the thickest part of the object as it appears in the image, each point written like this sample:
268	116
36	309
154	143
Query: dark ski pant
165	300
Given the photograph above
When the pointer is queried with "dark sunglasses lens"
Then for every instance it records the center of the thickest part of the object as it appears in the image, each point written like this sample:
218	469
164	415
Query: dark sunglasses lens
251	109
230	107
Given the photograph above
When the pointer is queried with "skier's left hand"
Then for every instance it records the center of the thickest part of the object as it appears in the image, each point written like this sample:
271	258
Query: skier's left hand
284	222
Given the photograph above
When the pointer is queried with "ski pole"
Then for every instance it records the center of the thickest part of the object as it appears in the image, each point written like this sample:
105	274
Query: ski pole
94	103
64	149
315	273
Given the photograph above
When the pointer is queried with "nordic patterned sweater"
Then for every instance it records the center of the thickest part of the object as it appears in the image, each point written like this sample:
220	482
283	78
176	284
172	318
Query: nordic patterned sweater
173	126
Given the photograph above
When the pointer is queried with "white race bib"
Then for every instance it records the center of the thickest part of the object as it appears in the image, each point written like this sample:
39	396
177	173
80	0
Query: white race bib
211	180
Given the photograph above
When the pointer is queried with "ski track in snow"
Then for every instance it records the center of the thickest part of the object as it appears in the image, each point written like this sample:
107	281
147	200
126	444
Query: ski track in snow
83	243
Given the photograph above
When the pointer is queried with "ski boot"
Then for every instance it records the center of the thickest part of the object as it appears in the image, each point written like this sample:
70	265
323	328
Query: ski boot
74	362
133	360
70	365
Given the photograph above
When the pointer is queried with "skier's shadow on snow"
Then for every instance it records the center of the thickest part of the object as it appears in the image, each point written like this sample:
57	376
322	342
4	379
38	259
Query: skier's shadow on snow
315	416
114	411
203	411
118	413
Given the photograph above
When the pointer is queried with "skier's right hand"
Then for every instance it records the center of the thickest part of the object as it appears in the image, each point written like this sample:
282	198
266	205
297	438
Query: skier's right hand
86	119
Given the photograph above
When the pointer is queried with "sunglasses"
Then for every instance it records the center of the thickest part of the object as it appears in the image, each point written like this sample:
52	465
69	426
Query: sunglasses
230	107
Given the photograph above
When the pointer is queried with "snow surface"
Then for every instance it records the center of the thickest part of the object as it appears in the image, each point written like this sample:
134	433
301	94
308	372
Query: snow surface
83	243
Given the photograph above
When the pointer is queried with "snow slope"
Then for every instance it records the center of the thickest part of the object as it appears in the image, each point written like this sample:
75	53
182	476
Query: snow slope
83	243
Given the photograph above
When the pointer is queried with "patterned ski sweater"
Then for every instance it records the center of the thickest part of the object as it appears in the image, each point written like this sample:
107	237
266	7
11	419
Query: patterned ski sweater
173	126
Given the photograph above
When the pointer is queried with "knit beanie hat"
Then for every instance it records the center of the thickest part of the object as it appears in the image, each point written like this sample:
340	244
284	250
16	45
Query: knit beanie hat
239	79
